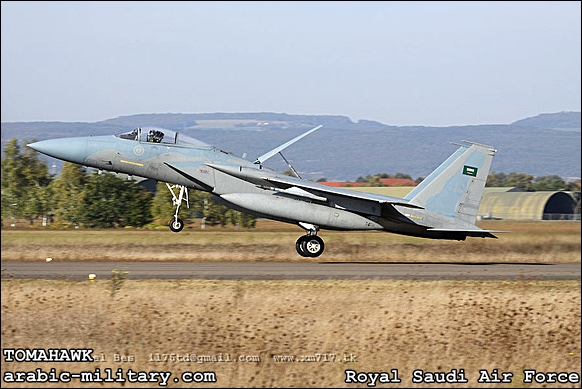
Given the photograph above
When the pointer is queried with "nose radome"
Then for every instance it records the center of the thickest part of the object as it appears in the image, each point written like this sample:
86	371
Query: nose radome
67	149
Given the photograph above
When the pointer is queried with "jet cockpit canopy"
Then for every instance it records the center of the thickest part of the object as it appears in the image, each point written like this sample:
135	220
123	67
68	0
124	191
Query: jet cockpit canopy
160	135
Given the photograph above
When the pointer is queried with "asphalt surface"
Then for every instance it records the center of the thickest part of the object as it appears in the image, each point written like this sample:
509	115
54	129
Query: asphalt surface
293	271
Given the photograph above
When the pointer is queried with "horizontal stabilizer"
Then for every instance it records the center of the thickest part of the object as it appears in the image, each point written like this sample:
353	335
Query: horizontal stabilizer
476	232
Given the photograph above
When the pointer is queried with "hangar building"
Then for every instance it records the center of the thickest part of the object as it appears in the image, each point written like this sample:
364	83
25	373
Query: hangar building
541	205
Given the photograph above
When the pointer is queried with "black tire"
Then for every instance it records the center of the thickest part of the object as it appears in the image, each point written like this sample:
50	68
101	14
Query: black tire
300	246
176	225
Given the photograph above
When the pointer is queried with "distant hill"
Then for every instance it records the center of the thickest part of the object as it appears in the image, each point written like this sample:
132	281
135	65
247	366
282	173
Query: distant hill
554	121
344	150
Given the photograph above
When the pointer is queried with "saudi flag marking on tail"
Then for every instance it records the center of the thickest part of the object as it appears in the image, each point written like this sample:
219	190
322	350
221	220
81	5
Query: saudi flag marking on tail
470	171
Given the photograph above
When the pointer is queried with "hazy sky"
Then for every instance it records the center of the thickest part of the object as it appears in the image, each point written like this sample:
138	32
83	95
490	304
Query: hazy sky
399	63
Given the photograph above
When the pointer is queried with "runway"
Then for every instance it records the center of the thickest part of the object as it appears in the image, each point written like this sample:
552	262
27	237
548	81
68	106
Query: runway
77	271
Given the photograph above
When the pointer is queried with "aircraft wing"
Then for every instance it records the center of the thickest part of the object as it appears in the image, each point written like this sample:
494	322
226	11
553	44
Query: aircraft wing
304	188
325	191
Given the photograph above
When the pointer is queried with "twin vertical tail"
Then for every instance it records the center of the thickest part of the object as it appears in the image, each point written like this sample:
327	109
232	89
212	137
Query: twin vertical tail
452	193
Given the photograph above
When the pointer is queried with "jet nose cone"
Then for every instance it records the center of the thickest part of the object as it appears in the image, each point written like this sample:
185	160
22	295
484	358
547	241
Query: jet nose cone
36	146
48	147
67	149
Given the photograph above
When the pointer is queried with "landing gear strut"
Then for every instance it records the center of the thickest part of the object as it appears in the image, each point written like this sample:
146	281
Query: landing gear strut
309	245
177	224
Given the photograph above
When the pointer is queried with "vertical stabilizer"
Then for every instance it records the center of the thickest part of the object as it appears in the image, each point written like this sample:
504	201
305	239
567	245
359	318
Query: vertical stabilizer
454	190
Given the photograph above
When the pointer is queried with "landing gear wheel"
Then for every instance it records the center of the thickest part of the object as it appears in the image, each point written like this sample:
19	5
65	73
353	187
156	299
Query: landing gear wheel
176	225
309	246
300	246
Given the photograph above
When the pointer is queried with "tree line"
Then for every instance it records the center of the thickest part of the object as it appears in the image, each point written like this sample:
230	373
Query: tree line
80	197
523	181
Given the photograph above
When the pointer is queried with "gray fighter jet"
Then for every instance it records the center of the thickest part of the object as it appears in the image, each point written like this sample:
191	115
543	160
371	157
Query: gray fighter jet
442	206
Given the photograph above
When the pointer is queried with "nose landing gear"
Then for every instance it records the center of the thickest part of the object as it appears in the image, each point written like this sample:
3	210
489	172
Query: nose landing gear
177	224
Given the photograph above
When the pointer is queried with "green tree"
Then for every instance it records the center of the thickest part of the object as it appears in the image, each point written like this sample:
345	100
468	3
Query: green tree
520	180
102	205
162	208
496	180
549	183
110	201
138	205
240	219
26	191
69	193
573	186
374	180
214	213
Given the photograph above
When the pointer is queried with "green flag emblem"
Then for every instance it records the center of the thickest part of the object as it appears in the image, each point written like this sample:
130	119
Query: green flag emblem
470	171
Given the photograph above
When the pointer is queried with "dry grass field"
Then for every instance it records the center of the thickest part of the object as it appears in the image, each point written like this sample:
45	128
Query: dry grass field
377	325
550	241
243	333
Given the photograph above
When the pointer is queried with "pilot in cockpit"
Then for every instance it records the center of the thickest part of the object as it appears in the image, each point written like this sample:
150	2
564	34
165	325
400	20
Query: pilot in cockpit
155	136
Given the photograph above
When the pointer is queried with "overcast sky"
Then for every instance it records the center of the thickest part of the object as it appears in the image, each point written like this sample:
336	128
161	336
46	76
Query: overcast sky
399	63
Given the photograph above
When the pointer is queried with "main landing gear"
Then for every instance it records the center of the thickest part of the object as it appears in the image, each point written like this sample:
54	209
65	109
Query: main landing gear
177	224
309	245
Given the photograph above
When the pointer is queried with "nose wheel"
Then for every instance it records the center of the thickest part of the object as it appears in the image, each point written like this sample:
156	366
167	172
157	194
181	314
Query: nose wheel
176	225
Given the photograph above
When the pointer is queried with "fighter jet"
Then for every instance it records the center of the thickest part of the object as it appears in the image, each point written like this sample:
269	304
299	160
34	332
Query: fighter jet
443	206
